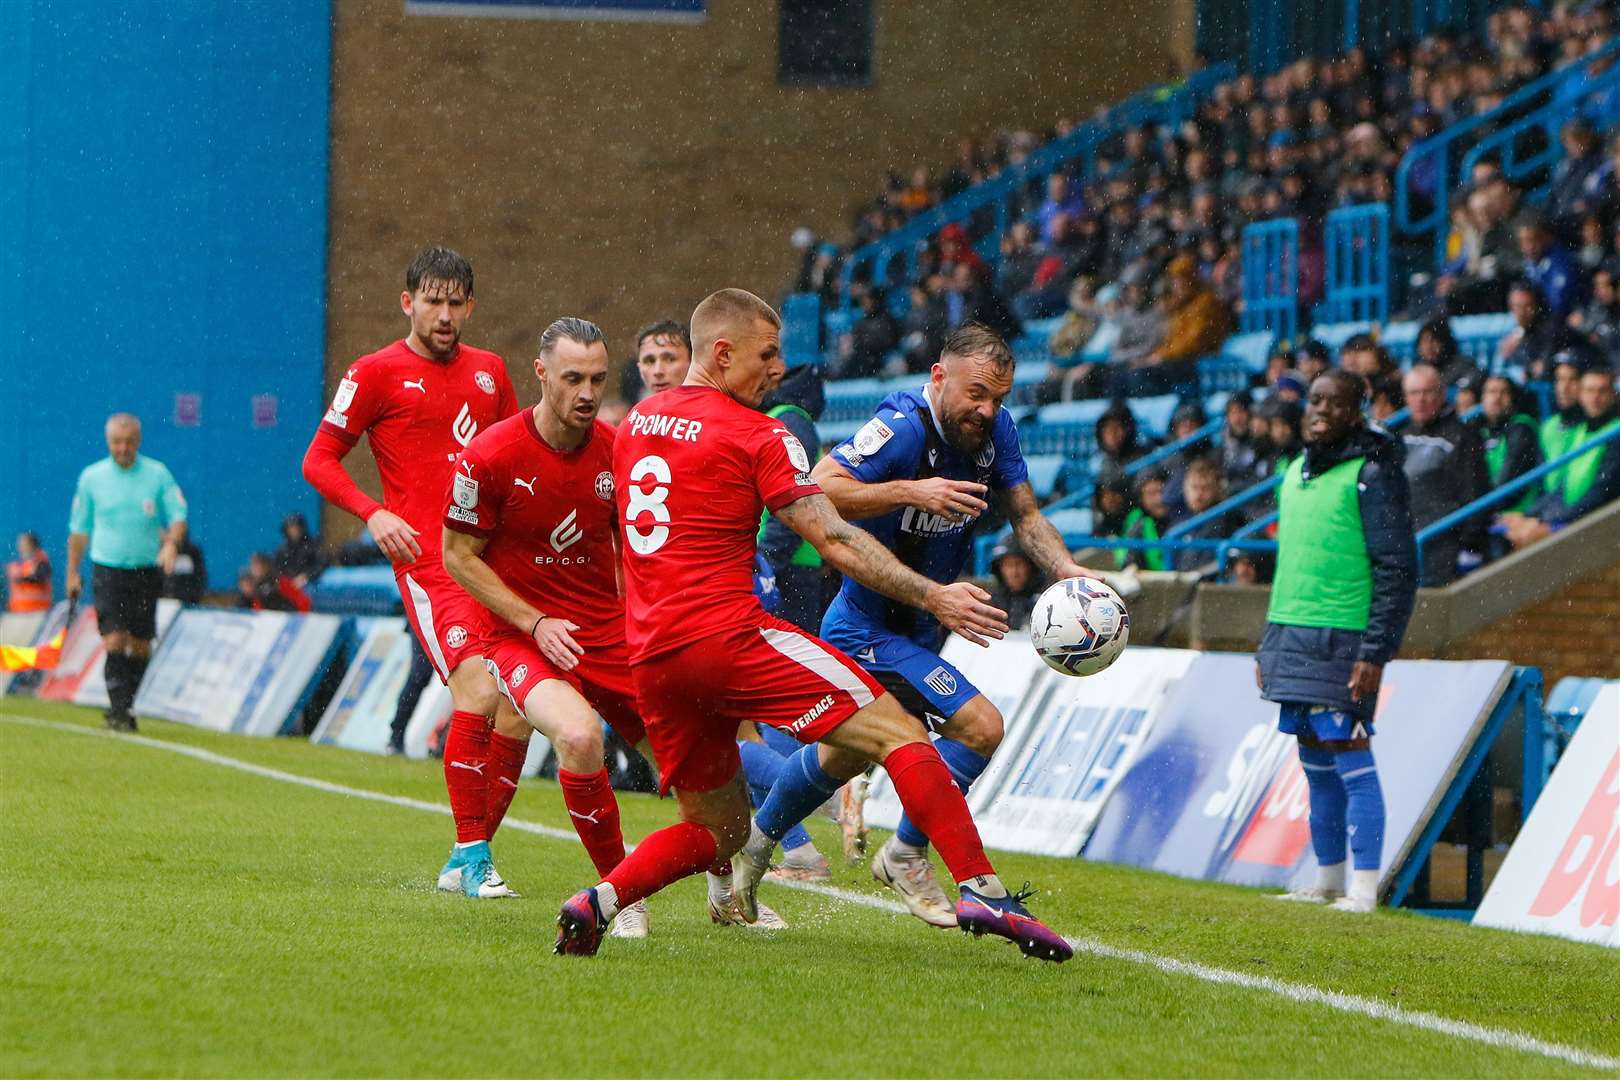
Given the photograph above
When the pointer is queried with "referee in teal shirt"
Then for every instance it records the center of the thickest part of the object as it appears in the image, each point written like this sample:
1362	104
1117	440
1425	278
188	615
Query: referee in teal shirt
130	513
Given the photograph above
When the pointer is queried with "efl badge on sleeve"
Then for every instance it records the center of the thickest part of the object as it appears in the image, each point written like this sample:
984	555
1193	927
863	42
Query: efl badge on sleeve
465	492
344	396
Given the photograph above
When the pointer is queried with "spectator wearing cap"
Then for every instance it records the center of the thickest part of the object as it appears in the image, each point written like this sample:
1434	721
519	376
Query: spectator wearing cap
1511	440
1196	324
1017	585
1549	266
1591	480
1539	335
1445	468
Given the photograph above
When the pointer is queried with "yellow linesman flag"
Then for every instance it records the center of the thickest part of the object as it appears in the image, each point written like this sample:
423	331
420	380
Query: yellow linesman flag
33	657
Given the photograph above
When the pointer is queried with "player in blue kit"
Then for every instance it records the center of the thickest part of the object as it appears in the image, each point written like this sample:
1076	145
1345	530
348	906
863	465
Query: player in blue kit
917	477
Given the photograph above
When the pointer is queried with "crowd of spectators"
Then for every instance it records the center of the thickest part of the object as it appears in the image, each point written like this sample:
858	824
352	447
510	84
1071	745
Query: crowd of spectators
1140	254
277	581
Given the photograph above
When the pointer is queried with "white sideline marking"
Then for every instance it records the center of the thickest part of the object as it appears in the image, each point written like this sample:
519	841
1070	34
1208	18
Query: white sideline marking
1299	993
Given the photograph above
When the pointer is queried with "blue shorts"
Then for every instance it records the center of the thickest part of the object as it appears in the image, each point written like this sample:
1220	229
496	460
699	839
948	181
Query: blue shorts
1322	723
926	685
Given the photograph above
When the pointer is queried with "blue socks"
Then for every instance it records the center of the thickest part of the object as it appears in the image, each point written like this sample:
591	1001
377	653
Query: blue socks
1365	813
801	786
1327	804
762	765
965	767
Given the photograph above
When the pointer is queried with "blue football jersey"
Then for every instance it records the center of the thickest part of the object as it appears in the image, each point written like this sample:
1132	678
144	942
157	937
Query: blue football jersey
904	442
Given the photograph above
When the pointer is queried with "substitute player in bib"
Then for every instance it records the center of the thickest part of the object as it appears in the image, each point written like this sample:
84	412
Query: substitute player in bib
693	468
916	477
422	400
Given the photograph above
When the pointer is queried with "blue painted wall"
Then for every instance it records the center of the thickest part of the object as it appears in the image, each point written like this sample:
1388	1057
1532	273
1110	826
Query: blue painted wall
163	172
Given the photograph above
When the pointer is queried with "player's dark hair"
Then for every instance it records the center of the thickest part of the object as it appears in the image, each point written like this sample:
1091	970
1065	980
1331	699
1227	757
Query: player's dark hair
439	264
665	328
580	331
979	341
1350	383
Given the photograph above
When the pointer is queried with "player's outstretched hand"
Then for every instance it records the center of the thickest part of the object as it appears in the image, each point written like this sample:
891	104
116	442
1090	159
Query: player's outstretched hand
394	537
557	644
959	500
964	608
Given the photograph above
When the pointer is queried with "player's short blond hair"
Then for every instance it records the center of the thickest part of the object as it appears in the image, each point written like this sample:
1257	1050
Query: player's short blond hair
728	313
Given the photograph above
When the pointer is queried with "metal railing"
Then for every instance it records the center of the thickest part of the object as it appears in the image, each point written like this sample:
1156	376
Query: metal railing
1434	153
1505	141
1357	264
1169	104
1271	277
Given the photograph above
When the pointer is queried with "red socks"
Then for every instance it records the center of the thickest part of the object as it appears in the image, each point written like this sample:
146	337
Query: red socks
662	859
506	757
466	761
595	814
936	806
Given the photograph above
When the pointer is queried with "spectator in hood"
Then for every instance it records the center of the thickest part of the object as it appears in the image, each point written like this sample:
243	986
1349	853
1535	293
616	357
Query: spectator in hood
1149	520
796	403
299	556
955	247
1445	469
1110	504
1118	440
1017	585
1281	418
1240	444
1437	346
1187	419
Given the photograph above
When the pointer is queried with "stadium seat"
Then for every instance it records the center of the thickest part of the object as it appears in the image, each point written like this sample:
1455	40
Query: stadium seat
1045	470
1215	404
801	328
1253	348
356	590
1073	439
833	432
1400	338
1154	413
1222	373
851	399
1071	521
1100	344
1479	335
1333	335
1072	411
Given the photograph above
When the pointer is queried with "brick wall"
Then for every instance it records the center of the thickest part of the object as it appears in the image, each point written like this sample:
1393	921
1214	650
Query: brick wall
623	171
1576	632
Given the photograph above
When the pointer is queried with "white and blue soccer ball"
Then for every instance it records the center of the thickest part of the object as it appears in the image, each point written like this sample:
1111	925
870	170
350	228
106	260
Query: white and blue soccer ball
1079	626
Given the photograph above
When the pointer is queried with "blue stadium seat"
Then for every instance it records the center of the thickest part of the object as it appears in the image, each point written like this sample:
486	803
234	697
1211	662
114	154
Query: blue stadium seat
801	328
1400	338
1253	348
1153	413
1479	335
1334	335
1045	470
1073	439
1072	411
1222	373
1215	404
1071	521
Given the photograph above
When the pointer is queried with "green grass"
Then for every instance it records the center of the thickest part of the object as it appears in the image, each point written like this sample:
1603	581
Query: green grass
165	915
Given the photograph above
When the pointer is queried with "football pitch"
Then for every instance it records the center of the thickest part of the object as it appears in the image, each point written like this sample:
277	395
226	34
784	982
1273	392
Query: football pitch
188	903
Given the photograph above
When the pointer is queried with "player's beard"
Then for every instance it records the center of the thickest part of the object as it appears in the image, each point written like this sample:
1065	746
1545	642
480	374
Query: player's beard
967	438
434	349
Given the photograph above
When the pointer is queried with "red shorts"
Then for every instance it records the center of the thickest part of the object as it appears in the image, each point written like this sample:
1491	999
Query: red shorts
444	618
602	678
693	697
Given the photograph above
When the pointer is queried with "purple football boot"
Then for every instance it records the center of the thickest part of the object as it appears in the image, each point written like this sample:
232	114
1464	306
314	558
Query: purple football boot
579	925
1007	917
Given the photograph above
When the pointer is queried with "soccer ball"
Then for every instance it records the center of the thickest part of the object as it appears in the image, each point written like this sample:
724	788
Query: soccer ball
1079	626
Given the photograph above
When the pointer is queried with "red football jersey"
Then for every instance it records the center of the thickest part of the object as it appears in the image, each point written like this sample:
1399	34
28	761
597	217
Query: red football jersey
549	518
693	470
420	413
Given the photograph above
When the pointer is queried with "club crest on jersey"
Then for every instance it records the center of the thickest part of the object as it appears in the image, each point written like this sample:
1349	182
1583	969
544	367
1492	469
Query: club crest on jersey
455	637
984	457
519	673
485	381
941	681
464	489
604	486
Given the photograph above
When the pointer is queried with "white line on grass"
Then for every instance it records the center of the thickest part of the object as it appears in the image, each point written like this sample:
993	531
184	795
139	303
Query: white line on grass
1298	993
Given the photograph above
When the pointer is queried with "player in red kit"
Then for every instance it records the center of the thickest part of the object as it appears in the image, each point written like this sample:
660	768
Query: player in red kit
421	400
694	467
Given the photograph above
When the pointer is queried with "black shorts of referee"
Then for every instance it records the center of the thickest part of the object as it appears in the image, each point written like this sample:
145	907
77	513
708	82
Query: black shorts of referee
126	600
